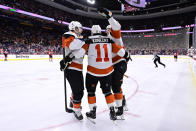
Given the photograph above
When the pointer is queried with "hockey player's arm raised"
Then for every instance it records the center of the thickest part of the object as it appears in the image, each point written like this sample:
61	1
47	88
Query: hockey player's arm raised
115	28
115	25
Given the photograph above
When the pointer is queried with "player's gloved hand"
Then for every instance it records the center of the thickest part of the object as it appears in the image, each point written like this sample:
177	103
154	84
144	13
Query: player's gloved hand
104	12
127	56
122	1
69	57
64	63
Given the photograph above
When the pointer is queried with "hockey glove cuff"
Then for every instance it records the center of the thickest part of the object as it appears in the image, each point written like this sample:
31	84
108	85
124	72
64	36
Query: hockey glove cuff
104	12
127	56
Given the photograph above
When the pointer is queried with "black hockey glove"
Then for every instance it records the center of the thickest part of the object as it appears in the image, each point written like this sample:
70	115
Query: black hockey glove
123	2
127	56
64	63
69	57
104	12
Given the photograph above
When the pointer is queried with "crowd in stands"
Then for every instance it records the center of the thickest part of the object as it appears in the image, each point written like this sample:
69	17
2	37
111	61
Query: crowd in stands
165	43
159	51
17	38
161	40
49	11
21	39
45	10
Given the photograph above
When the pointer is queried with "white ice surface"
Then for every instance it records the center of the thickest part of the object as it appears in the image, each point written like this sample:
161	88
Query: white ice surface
159	99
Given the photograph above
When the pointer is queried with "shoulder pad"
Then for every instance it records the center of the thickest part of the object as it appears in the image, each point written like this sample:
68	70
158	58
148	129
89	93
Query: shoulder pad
67	34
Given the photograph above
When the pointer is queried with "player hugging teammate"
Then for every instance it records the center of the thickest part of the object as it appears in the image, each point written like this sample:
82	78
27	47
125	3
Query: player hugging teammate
73	65
113	31
107	63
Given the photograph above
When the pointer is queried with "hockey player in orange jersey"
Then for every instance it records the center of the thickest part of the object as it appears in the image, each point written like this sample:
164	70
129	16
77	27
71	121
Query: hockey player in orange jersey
100	69
72	43
113	31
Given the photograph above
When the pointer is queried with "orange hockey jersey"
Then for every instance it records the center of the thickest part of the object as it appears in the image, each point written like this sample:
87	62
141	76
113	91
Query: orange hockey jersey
116	37
72	43
100	55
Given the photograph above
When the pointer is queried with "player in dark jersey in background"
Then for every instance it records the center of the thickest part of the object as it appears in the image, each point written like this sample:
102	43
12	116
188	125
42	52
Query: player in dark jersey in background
50	53
5	54
157	58
175	56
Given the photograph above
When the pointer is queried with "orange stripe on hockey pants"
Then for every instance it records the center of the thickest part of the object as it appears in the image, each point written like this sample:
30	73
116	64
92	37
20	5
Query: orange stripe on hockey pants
76	105
118	96
109	99
91	99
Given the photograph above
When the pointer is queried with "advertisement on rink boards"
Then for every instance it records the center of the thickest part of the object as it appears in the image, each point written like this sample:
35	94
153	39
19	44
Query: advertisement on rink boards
46	57
29	57
22	56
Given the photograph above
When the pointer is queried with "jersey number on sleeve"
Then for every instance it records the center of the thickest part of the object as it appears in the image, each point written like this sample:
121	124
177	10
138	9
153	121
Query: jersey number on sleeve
98	48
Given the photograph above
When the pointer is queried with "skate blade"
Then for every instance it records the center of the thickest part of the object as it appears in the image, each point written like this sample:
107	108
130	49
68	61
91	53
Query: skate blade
91	120
120	117
78	118
125	108
69	110
114	122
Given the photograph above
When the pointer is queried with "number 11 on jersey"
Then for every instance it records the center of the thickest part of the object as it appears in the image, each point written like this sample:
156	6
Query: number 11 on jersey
98	48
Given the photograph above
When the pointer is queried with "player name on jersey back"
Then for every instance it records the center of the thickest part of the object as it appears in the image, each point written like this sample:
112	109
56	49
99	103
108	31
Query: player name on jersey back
101	40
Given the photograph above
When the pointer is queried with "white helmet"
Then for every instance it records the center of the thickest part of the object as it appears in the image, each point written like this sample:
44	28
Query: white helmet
74	24
109	27
95	29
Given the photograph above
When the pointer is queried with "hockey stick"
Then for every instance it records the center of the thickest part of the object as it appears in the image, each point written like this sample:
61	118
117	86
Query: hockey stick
65	89
126	76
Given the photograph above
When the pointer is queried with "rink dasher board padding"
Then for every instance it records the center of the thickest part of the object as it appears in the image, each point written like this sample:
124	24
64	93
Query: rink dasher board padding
46	57
29	57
